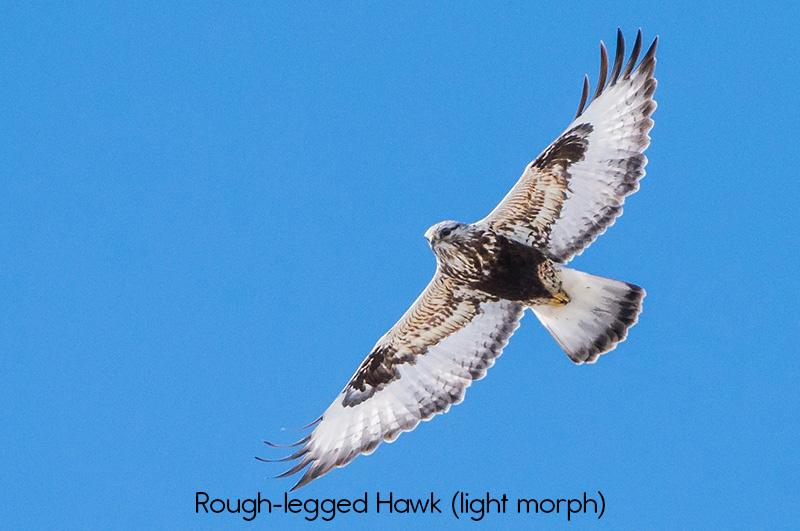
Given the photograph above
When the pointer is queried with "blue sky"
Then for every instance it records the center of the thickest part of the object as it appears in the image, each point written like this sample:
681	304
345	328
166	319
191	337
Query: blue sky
211	213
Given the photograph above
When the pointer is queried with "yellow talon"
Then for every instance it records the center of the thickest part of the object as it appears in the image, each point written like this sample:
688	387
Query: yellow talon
560	299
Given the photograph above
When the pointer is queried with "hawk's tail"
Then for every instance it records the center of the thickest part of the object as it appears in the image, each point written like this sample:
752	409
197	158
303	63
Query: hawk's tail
597	316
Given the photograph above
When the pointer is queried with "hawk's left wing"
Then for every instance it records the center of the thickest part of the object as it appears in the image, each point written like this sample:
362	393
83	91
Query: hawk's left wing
575	189
423	365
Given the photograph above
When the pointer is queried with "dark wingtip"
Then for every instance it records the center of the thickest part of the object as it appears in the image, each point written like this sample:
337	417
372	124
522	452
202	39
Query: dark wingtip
301	428
295	469
637	47
307	478
601	83
618	59
272	460
300	453
298	443
651	52
281	460
584	96
311	424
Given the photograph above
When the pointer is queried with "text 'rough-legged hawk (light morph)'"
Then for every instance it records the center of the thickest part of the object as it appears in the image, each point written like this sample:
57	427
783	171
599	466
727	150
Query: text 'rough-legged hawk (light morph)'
490	271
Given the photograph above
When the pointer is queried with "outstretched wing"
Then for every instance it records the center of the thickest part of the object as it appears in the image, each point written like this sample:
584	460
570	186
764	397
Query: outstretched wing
423	365
575	189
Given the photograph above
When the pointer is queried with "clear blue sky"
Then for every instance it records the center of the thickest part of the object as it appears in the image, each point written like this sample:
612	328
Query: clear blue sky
209	214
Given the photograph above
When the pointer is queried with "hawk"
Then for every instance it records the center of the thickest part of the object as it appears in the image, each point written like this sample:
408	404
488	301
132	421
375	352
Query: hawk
489	272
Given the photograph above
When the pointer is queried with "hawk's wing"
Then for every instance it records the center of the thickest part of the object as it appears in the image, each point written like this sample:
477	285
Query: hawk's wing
575	189
423	365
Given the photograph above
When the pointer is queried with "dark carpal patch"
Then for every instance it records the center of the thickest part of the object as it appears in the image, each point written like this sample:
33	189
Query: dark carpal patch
513	272
374	373
568	149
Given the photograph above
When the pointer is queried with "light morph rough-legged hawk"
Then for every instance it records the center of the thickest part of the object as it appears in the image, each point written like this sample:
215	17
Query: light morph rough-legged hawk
490	271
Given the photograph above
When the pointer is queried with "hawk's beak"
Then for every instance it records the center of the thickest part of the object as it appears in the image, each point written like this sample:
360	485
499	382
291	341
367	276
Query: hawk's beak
429	235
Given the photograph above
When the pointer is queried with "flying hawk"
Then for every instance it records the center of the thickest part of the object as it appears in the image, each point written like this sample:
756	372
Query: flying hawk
490	271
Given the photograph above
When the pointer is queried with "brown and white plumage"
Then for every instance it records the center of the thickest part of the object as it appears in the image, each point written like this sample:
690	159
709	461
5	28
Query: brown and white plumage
490	271
575	189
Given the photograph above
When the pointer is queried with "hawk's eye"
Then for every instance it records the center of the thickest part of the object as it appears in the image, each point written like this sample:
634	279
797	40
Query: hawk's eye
446	232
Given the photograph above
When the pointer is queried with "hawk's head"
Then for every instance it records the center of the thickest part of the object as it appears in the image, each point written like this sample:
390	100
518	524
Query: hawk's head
454	244
445	232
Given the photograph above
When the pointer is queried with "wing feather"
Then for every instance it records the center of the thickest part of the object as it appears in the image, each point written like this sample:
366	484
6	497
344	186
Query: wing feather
421	367
575	189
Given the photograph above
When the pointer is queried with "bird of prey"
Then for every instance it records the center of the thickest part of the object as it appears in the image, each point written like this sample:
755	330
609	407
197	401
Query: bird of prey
490	271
